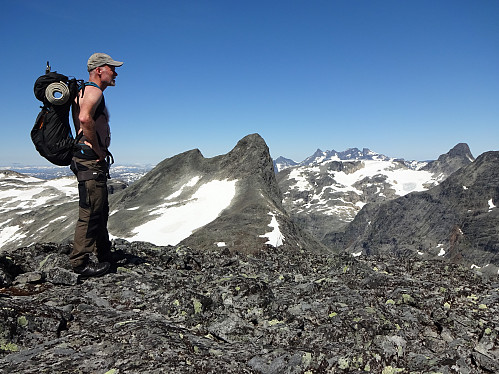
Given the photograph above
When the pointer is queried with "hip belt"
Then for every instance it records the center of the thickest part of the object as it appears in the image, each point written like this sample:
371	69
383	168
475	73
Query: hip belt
90	169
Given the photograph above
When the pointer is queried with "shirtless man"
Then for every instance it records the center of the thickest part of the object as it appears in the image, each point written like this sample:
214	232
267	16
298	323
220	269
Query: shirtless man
91	166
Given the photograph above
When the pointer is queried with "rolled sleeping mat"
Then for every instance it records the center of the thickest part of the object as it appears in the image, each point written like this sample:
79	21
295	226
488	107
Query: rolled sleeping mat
57	93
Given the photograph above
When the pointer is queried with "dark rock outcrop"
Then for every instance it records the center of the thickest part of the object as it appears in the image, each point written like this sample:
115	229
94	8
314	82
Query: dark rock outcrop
180	310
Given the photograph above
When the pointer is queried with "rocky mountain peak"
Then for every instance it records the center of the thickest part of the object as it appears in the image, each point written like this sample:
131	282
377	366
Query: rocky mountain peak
318	155
461	150
250	154
459	156
231	201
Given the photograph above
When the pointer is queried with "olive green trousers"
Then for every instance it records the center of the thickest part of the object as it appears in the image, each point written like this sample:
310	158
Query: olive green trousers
91	235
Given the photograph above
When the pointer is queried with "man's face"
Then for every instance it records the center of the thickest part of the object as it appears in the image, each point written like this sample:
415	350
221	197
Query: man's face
108	75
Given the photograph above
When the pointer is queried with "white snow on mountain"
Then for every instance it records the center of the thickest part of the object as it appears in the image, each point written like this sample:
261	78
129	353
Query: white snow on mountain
275	236
32	193
20	194
403	181
174	221
191	183
9	233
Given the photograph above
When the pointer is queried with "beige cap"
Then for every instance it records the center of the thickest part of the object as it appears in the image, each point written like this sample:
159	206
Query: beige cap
101	59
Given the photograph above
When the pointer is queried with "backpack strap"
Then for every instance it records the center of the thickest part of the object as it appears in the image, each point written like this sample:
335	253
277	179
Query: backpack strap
81	87
91	84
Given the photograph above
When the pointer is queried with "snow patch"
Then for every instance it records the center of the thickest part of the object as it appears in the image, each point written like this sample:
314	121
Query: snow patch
301	181
360	204
442	252
491	205
275	236
172	224
61	218
191	183
403	181
10	234
68	186
36	193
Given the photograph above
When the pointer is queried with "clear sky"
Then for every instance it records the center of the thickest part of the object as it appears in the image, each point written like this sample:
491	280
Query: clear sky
406	78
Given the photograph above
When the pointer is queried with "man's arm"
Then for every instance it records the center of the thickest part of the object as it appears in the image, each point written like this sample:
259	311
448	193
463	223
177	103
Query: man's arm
88	105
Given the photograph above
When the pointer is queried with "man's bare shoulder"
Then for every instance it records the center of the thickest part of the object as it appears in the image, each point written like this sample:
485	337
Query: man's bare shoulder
90	96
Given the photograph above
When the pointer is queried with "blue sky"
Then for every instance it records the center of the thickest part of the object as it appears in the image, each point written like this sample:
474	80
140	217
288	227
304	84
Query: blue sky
406	78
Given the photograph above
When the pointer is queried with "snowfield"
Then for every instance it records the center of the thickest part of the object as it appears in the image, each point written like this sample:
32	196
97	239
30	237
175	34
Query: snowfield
21	194
174	221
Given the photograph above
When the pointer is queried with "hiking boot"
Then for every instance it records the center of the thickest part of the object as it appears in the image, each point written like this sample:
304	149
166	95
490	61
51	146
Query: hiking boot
91	269
116	257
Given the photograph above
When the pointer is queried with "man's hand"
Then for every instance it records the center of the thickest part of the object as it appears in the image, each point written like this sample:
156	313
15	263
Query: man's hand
98	151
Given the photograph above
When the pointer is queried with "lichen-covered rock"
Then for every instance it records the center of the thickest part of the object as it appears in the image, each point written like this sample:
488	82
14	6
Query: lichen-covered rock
275	311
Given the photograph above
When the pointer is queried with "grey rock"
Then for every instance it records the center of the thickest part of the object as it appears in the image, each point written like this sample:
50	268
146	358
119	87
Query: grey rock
185	310
30	277
62	276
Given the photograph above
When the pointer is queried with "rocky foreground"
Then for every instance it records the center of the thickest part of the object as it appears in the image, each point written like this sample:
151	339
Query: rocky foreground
177	310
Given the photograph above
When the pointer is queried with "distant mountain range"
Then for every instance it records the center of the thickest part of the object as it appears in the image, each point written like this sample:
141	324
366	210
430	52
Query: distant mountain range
327	190
354	154
124	173
319	157
369	204
357	201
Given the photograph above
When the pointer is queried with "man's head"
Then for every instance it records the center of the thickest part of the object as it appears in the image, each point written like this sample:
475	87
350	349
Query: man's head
101	59
102	68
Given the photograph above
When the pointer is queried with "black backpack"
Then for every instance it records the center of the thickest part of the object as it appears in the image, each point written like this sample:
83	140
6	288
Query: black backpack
51	133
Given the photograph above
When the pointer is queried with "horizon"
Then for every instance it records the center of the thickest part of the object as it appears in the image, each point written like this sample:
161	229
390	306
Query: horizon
405	79
120	164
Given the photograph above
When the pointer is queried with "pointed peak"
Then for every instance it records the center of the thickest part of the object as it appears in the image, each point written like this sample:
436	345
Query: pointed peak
460	149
